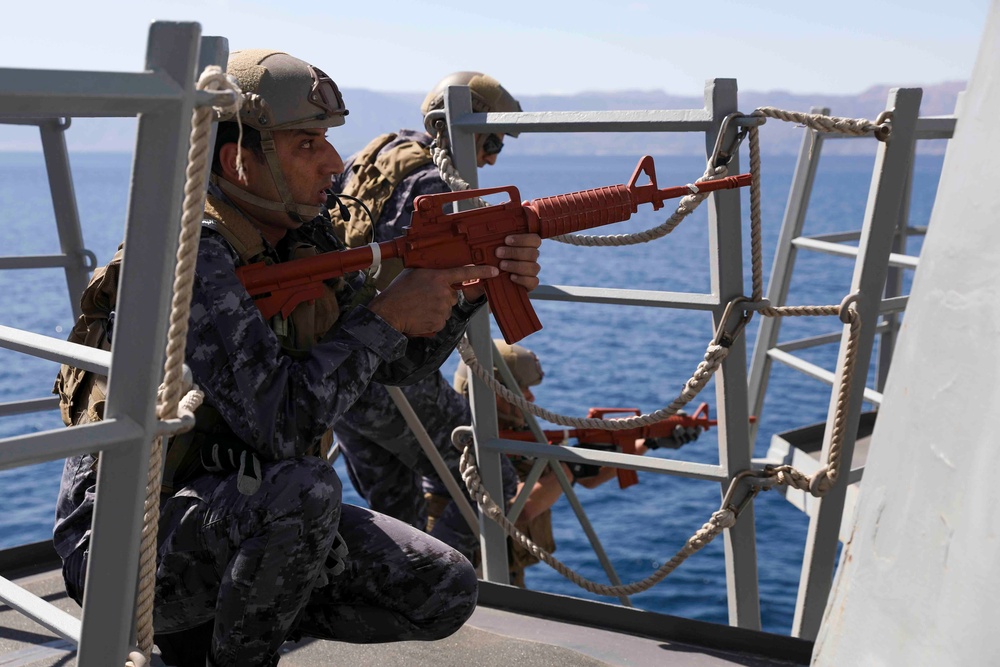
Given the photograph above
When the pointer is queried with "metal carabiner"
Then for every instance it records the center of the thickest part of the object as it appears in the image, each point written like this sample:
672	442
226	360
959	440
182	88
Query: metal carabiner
727	500
884	122
436	123
727	338
720	157
851	299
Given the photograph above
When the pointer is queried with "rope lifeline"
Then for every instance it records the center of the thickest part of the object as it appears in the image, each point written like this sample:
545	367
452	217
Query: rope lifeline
170	404
817	484
720	520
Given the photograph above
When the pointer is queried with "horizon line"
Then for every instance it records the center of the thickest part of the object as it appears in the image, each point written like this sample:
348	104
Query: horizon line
874	86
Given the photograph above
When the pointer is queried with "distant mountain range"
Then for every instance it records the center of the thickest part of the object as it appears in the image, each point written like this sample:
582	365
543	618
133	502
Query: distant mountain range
375	112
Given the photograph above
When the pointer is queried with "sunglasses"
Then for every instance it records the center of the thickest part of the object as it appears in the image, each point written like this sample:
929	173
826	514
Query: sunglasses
493	145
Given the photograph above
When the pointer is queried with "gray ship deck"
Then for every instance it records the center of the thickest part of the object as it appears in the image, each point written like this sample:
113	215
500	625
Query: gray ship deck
500	633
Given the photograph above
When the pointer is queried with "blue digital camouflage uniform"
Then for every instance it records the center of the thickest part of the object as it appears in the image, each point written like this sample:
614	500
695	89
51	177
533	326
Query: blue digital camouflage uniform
261	566
384	461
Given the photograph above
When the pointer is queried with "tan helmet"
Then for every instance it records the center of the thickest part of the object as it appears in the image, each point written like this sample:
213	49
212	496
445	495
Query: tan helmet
522	362
281	92
487	96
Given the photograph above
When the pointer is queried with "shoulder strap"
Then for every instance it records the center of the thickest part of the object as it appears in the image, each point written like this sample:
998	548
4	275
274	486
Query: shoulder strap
234	227
398	163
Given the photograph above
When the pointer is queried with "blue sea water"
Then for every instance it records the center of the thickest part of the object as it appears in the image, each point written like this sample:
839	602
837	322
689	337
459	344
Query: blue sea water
592	355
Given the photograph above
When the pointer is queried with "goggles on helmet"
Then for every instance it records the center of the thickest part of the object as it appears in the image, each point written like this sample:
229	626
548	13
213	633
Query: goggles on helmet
325	94
492	145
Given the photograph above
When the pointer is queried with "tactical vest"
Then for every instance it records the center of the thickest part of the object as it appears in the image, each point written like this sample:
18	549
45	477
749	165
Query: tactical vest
82	393
374	176
309	321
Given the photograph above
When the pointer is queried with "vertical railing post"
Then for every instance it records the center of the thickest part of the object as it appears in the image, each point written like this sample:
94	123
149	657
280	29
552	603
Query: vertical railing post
458	103
890	175
53	135
137	349
894	284
726	252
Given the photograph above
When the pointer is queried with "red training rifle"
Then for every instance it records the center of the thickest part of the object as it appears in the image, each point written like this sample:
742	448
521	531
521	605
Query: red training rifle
657	435
439	240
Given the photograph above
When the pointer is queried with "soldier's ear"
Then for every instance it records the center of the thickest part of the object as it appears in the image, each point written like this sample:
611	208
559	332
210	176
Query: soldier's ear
227	160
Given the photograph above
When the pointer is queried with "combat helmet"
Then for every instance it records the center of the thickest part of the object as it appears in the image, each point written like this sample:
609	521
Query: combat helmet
522	362
281	92
487	96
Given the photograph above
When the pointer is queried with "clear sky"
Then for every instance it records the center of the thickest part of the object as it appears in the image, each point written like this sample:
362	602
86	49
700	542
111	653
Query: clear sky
536	46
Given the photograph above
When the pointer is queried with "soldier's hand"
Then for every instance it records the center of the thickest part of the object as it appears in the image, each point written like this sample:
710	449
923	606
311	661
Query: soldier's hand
519	258
419	301
680	436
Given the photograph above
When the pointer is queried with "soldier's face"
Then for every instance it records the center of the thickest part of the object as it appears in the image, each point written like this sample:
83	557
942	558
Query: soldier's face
489	149
308	161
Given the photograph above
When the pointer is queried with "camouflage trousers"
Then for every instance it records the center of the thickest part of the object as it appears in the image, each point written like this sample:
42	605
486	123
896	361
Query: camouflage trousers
261	567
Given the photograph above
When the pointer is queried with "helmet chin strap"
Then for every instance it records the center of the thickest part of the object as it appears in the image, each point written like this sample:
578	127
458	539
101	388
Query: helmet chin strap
295	211
301	213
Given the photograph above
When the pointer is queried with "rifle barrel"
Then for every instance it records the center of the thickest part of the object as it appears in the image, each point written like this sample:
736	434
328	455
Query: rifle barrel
577	211
727	183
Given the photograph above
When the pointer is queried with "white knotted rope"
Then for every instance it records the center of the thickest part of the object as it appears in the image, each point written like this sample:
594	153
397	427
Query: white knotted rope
854	126
171	406
714	355
818	484
879	128
821	482
720	520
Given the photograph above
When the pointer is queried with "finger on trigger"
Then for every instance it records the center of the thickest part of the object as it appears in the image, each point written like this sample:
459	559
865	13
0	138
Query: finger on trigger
462	274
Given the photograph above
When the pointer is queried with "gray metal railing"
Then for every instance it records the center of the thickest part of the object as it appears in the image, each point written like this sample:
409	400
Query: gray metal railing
165	96
879	261
726	252
75	259
880	255
792	239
